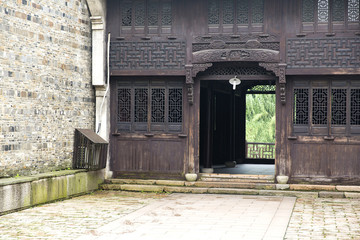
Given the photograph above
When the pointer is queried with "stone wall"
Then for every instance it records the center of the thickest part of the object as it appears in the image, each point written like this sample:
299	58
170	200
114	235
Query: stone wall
45	83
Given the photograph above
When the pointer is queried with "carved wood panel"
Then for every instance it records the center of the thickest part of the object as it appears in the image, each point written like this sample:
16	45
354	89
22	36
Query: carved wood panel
147	55
323	53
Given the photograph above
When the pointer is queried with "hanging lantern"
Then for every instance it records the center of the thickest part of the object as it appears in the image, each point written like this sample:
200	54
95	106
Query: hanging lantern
234	81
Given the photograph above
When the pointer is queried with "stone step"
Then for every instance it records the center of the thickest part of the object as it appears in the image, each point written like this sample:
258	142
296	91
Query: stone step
117	183
215	190
236	178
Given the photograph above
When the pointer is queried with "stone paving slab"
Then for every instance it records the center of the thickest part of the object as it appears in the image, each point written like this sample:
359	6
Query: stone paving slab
167	216
72	218
203	216
321	218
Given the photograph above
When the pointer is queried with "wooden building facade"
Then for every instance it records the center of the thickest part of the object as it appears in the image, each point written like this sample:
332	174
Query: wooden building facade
170	59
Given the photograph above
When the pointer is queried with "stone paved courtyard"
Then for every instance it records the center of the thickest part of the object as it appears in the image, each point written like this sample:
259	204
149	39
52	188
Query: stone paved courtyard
124	215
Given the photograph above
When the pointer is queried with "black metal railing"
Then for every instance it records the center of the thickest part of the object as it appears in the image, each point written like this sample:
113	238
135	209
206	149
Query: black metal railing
255	150
90	150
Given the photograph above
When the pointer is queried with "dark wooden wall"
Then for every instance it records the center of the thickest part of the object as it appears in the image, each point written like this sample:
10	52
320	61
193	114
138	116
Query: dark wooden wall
307	49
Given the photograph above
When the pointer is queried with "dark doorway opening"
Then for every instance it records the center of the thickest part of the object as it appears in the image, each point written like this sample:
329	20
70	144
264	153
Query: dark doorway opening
223	142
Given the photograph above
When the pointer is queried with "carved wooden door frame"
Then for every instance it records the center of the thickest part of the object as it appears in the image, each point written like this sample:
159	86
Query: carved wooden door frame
204	59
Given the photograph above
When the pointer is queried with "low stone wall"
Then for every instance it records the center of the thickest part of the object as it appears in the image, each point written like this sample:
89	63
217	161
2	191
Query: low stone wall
24	192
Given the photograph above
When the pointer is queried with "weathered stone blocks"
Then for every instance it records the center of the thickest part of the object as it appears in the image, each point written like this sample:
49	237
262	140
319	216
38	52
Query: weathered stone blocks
45	82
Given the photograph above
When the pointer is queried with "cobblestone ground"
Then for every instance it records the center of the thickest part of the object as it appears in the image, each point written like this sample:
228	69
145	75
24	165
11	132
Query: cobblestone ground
324	218
72	218
320	218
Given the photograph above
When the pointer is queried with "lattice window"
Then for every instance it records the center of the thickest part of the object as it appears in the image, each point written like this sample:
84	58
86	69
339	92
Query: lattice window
308	7
301	106
141	104
323	11
353	10
213	12
320	106
338	10
153	16
175	105
228	11
242	11
338	106
142	13
326	108
322	8
158	105
257	11
124	105
355	107
149	106
126	13
166	14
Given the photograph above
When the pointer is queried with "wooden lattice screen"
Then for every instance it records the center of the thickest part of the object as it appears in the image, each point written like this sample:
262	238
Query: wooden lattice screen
90	150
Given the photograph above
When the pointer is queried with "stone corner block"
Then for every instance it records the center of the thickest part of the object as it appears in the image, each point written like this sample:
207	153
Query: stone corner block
282	186
170	183
324	194
352	195
142	188
348	188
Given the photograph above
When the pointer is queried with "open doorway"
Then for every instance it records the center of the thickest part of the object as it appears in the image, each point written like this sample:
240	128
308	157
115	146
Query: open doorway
237	127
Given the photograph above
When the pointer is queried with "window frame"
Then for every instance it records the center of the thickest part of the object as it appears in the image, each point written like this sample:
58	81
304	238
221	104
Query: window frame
330	25
235	26
146	28
132	126
328	128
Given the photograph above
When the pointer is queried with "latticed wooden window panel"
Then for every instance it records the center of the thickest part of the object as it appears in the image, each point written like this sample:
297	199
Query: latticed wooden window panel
301	106
355	107
317	110
158	105
353	10
338	106
321	9
235	11
124	105
141	13
320	106
149	106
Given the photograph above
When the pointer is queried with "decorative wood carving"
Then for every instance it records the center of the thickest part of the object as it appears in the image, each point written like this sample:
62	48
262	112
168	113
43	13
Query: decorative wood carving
191	71
280	71
228	55
190	83
200	67
235	69
323	53
166	55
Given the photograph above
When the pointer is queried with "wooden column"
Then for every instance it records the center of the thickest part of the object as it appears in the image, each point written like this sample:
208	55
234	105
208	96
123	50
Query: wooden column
209	128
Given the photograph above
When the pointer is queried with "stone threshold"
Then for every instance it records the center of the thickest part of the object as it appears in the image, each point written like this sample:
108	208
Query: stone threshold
200	187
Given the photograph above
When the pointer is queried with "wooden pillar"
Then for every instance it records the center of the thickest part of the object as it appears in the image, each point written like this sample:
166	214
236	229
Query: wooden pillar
209	128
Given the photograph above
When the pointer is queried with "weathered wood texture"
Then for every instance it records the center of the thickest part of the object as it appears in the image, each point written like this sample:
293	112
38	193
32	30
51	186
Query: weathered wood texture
280	38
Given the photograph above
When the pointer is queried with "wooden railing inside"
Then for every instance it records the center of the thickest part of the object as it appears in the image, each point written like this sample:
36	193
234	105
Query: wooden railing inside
255	150
90	150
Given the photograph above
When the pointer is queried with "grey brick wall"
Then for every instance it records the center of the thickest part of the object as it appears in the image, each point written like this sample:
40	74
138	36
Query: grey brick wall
45	83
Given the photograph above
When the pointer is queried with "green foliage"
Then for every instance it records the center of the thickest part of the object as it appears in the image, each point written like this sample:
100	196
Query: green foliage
260	118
